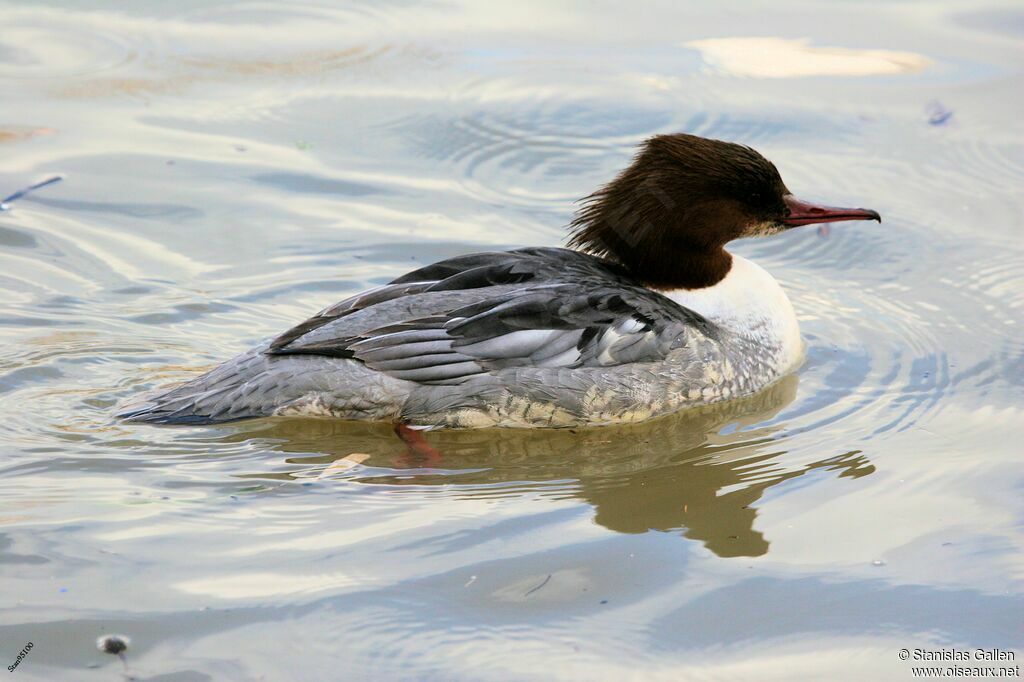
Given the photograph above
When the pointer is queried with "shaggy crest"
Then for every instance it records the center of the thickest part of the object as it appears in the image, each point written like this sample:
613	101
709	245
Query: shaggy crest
667	216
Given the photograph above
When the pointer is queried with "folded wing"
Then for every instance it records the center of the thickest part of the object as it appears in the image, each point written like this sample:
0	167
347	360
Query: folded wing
515	309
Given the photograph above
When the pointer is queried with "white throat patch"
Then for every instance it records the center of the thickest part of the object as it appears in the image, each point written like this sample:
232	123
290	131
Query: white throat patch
750	303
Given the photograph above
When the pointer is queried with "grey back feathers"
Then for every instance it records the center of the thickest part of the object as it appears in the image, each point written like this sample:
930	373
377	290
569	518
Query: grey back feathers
527	337
527	308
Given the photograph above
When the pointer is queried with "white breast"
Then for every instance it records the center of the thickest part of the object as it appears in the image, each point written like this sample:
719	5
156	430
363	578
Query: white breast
750	303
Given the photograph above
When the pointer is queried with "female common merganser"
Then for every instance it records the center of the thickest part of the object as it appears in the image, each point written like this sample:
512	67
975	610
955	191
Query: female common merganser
645	314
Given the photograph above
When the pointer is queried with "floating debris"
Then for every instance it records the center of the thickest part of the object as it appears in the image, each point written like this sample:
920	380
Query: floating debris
343	464
113	644
938	114
5	203
878	562
543	583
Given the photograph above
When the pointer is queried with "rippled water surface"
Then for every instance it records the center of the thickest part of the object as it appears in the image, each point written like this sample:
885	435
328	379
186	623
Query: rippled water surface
231	168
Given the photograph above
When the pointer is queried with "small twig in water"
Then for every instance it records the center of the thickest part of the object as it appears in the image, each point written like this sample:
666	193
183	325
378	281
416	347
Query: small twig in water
538	586
4	204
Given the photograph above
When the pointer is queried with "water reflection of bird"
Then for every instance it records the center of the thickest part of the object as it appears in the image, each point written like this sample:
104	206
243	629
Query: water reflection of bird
699	471
646	314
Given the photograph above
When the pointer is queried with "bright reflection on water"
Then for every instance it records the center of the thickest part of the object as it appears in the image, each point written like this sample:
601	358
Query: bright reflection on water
231	168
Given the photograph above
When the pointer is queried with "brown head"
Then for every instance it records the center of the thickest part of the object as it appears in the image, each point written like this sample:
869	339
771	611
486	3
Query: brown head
667	217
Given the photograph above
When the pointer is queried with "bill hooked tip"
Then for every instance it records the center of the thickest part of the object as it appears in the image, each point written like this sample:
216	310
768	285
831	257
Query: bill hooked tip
805	213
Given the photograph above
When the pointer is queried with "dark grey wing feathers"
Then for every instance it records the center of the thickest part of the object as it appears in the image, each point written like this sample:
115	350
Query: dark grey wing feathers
570	311
562	325
485	276
422	355
465	272
454	266
279	345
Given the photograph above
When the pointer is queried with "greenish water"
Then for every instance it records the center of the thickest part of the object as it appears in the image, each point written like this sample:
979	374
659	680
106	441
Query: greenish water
232	168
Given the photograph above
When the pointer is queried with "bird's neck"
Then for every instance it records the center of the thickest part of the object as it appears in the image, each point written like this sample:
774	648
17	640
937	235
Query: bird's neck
749	303
673	269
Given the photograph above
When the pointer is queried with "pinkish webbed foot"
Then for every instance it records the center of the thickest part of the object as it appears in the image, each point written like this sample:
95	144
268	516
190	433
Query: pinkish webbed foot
419	453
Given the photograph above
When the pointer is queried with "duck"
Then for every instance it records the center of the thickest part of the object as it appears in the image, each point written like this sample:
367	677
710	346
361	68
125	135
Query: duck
643	313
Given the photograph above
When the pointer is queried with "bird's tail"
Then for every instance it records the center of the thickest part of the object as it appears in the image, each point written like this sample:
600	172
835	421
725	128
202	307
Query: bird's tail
251	385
